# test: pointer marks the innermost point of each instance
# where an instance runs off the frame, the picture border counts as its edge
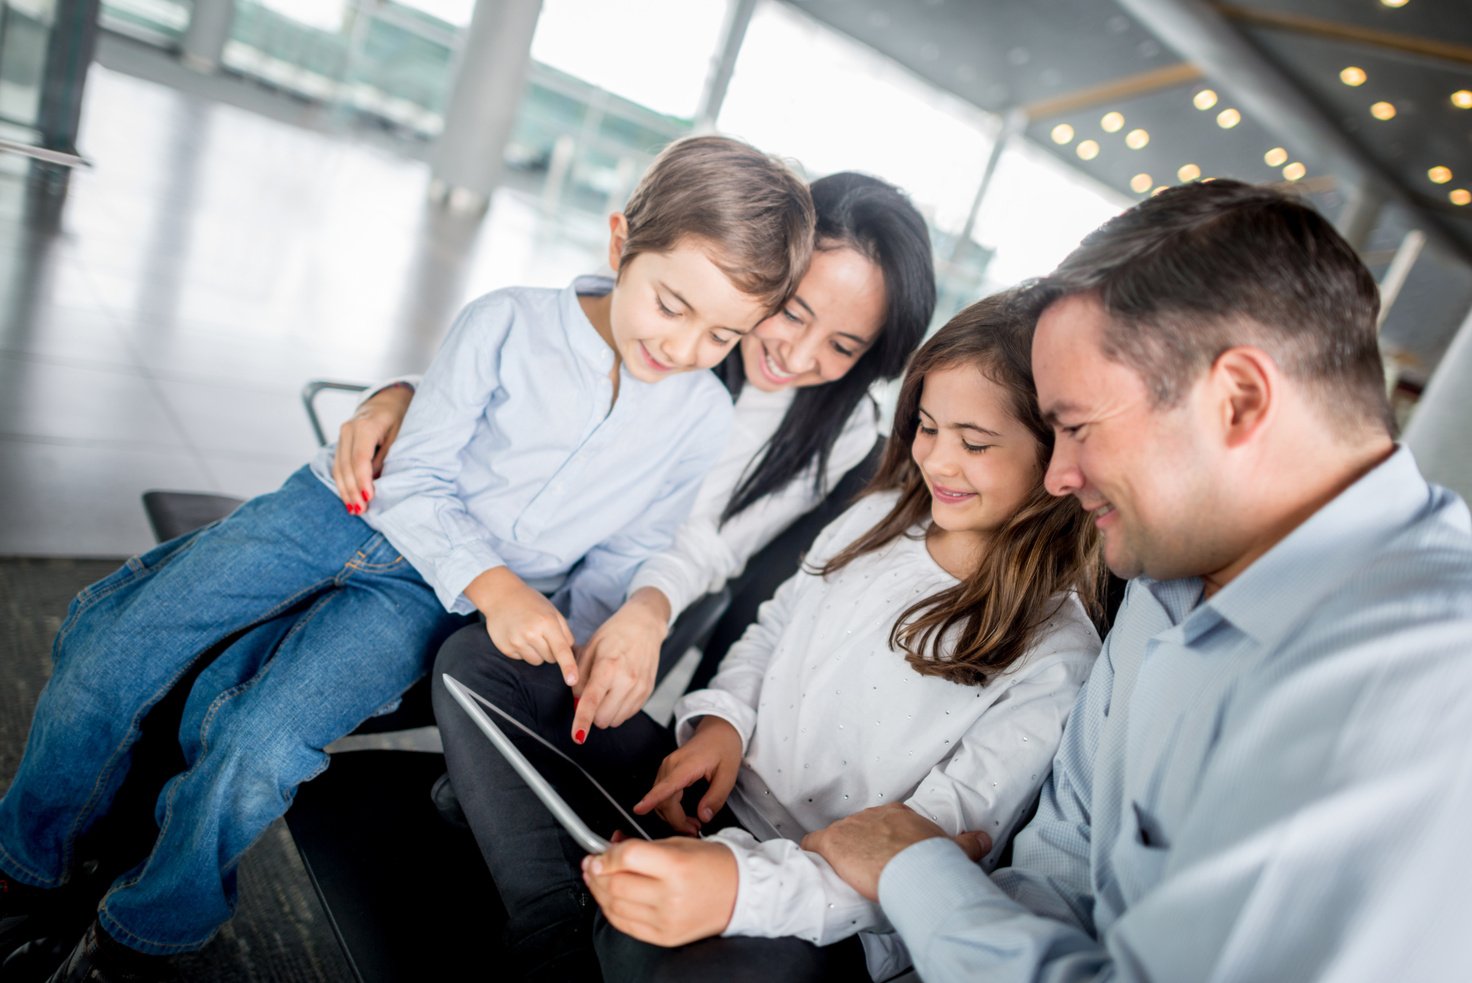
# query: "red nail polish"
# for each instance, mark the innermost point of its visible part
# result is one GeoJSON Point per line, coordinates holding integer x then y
{"type": "Point", "coordinates": [365, 496]}
{"type": "Point", "coordinates": [580, 737]}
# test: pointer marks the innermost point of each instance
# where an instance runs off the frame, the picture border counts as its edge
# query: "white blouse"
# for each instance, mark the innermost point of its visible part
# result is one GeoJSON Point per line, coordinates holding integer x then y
{"type": "Point", "coordinates": [834, 721]}
{"type": "Point", "coordinates": [706, 554]}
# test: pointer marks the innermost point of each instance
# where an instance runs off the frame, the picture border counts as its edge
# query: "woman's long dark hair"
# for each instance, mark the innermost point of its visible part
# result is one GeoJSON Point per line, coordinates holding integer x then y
{"type": "Point", "coordinates": [1048, 547]}
{"type": "Point", "coordinates": [876, 220]}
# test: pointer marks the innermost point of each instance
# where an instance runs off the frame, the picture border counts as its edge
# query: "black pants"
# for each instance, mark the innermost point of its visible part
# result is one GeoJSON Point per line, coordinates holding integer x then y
{"type": "Point", "coordinates": [554, 931]}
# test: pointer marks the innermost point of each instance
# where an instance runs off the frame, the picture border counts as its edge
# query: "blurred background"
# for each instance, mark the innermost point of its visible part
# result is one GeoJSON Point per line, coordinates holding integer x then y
{"type": "Point", "coordinates": [204, 203]}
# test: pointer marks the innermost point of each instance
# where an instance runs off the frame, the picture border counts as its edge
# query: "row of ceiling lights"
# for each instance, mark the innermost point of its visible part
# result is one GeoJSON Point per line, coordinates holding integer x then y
{"type": "Point", "coordinates": [1138, 139]}
{"type": "Point", "coordinates": [1354, 77]}
{"type": "Point", "coordinates": [1229, 117]}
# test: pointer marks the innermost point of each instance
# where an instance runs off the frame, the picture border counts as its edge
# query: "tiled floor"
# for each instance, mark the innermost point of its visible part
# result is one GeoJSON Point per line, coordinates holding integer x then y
{"type": "Point", "coordinates": [157, 324]}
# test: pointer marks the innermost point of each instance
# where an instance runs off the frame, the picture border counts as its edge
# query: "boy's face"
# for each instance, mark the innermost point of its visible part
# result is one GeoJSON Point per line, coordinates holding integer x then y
{"type": "Point", "coordinates": [676, 311]}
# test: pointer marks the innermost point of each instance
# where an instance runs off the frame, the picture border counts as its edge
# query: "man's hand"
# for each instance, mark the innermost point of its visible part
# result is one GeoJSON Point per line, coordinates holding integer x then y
{"type": "Point", "coordinates": [522, 623]}
{"type": "Point", "coordinates": [712, 753]}
{"type": "Point", "coordinates": [858, 846]}
{"type": "Point", "coordinates": [618, 665]}
{"type": "Point", "coordinates": [363, 442]}
{"type": "Point", "coordinates": [666, 893]}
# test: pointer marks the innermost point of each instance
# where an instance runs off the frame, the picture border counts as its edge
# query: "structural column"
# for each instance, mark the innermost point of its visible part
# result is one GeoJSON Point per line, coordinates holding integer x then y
{"type": "Point", "coordinates": [1440, 431]}
{"type": "Point", "coordinates": [203, 46]}
{"type": "Point", "coordinates": [485, 95]}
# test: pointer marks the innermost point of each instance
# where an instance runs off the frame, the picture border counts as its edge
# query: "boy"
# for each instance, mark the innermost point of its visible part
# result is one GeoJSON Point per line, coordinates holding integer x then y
{"type": "Point", "coordinates": [539, 458]}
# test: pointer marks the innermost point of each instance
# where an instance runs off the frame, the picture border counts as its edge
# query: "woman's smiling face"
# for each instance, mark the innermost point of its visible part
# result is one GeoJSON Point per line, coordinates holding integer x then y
{"type": "Point", "coordinates": [833, 318]}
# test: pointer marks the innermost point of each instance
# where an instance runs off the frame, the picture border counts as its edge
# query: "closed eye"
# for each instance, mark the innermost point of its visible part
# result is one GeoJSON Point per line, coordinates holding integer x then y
{"type": "Point", "coordinates": [665, 310]}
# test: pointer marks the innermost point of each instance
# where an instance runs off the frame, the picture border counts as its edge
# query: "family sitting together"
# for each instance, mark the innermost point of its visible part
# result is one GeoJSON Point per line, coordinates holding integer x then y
{"type": "Point", "coordinates": [918, 755]}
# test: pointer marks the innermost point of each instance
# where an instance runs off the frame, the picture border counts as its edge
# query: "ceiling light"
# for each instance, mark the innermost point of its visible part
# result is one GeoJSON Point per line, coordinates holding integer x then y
{"type": "Point", "coordinates": [1140, 183]}
{"type": "Point", "coordinates": [1382, 110]}
{"type": "Point", "coordinates": [1157, 191]}
{"type": "Point", "coordinates": [1112, 122]}
{"type": "Point", "coordinates": [1228, 118]}
{"type": "Point", "coordinates": [1137, 139]}
{"type": "Point", "coordinates": [1394, 3]}
{"type": "Point", "coordinates": [1462, 98]}
{"type": "Point", "coordinates": [1062, 133]}
{"type": "Point", "coordinates": [1439, 174]}
{"type": "Point", "coordinates": [1276, 157]}
{"type": "Point", "coordinates": [1353, 75]}
{"type": "Point", "coordinates": [1188, 172]}
{"type": "Point", "coordinates": [1204, 99]}
{"type": "Point", "coordinates": [1295, 171]}
{"type": "Point", "coordinates": [1087, 149]}
{"type": "Point", "coordinates": [1460, 196]}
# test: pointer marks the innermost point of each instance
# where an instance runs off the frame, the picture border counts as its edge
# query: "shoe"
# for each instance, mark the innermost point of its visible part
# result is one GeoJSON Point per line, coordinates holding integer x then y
{"type": "Point", "coordinates": [38, 926]}
{"type": "Point", "coordinates": [447, 802]}
{"type": "Point", "coordinates": [99, 958]}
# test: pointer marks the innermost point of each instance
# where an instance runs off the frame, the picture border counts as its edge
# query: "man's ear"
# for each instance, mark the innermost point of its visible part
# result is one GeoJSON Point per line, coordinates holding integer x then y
{"type": "Point", "coordinates": [618, 234]}
{"type": "Point", "coordinates": [1245, 381]}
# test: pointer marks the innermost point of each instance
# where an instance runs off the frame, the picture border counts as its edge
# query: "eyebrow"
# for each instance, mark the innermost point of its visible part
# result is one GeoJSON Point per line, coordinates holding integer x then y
{"type": "Point", "coordinates": [856, 339]}
{"type": "Point", "coordinates": [964, 426]}
{"type": "Point", "coordinates": [691, 307]}
{"type": "Point", "coordinates": [1052, 413]}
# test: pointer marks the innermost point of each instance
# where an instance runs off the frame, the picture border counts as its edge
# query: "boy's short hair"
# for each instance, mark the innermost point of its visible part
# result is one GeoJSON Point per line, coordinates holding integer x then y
{"type": "Point", "coordinates": [754, 211]}
{"type": "Point", "coordinates": [1200, 268]}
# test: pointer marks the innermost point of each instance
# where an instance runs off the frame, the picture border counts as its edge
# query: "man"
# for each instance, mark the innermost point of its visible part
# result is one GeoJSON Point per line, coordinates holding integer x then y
{"type": "Point", "coordinates": [1269, 774]}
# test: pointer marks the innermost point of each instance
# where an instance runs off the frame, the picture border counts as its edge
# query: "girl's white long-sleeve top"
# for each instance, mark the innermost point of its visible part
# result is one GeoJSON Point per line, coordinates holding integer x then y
{"type": "Point", "coordinates": [834, 721]}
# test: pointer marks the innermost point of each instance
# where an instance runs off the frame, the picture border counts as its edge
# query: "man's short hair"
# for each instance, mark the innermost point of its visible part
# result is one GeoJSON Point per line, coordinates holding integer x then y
{"type": "Point", "coordinates": [1200, 268]}
{"type": "Point", "coordinates": [754, 212]}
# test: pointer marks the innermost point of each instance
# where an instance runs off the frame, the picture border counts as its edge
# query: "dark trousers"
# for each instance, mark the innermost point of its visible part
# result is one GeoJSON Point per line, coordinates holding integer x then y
{"type": "Point", "coordinates": [554, 930]}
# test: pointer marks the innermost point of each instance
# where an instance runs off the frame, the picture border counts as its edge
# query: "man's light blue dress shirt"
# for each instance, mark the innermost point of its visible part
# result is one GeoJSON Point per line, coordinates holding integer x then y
{"type": "Point", "coordinates": [510, 455]}
{"type": "Point", "coordinates": [1274, 784]}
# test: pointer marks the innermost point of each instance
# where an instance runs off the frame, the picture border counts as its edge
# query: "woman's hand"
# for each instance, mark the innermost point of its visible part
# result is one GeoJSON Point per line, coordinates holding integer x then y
{"type": "Point", "coordinates": [666, 893]}
{"type": "Point", "coordinates": [363, 442]}
{"type": "Point", "coordinates": [620, 661]}
{"type": "Point", "coordinates": [522, 623]}
{"type": "Point", "coordinates": [712, 753]}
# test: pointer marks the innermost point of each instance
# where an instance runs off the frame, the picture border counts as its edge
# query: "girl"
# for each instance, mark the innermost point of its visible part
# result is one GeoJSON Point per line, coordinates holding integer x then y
{"type": "Point", "coordinates": [929, 654]}
{"type": "Point", "coordinates": [803, 418]}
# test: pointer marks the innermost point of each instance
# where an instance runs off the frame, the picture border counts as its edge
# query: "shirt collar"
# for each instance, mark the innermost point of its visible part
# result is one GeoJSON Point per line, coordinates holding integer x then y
{"type": "Point", "coordinates": [581, 334]}
{"type": "Point", "coordinates": [1286, 583]}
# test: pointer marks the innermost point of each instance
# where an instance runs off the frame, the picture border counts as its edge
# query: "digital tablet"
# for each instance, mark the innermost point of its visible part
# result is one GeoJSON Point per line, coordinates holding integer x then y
{"type": "Point", "coordinates": [477, 706]}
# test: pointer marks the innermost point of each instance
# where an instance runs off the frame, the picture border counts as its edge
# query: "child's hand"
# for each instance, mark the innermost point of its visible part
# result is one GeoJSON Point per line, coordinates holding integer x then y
{"type": "Point", "coordinates": [363, 442]}
{"type": "Point", "coordinates": [665, 893]}
{"type": "Point", "coordinates": [713, 753]}
{"type": "Point", "coordinates": [521, 622]}
{"type": "Point", "coordinates": [620, 661]}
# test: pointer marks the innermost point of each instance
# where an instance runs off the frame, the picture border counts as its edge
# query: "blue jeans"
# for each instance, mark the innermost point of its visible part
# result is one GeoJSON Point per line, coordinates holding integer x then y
{"type": "Point", "coordinates": [334, 625]}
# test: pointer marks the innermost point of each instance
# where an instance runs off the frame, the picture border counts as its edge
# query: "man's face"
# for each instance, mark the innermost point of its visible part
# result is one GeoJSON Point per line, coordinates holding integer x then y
{"type": "Point", "coordinates": [1148, 476]}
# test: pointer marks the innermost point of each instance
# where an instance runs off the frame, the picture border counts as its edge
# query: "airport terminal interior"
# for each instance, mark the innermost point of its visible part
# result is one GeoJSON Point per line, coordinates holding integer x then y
{"type": "Point", "coordinates": [204, 204]}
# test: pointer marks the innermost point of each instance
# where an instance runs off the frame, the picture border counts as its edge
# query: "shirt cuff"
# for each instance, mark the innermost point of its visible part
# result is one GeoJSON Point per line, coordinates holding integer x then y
{"type": "Point", "coordinates": [649, 574]}
{"type": "Point", "coordinates": [713, 703]}
{"type": "Point", "coordinates": [925, 884]}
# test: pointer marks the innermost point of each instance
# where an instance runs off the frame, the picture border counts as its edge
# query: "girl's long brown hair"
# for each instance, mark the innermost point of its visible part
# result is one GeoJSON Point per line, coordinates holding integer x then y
{"type": "Point", "coordinates": [1048, 547]}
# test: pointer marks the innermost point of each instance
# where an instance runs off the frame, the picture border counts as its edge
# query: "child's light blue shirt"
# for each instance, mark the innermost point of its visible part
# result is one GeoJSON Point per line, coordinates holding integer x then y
{"type": "Point", "coordinates": [510, 455]}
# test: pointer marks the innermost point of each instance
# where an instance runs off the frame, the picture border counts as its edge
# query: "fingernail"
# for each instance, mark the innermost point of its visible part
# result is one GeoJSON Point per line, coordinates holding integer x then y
{"type": "Point", "coordinates": [580, 736]}
{"type": "Point", "coordinates": [365, 496]}
{"type": "Point", "coordinates": [706, 814]}
{"type": "Point", "coordinates": [596, 866]}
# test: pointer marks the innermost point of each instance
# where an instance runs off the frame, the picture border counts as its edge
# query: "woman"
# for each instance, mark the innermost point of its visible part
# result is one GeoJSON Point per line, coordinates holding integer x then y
{"type": "Point", "coordinates": [803, 419]}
